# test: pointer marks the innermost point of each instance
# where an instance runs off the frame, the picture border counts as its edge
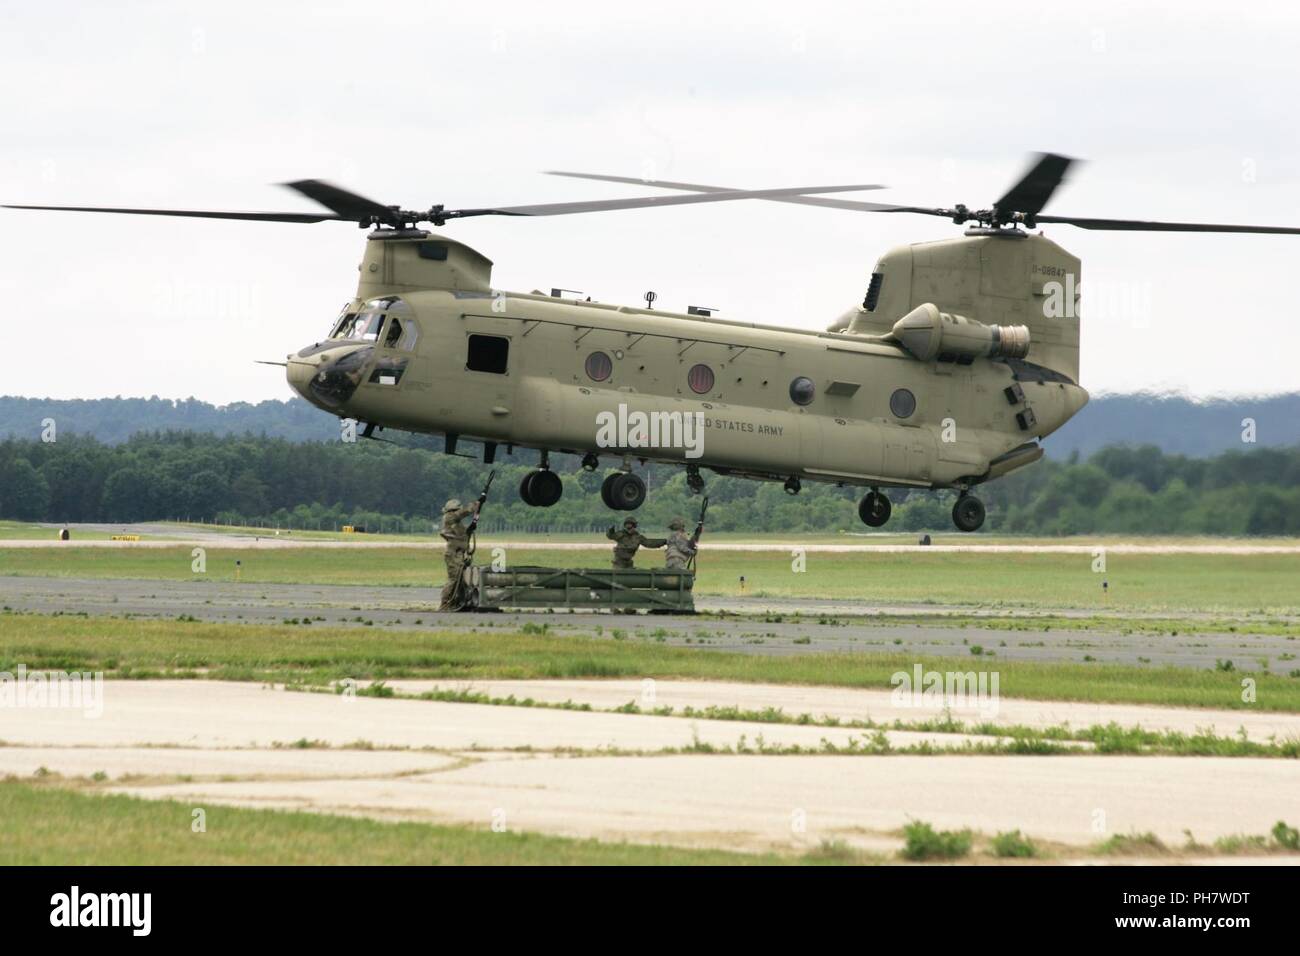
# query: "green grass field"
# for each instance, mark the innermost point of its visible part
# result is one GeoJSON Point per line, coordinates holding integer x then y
{"type": "Point", "coordinates": [45, 825]}
{"type": "Point", "coordinates": [1267, 583]}
{"type": "Point", "coordinates": [319, 654]}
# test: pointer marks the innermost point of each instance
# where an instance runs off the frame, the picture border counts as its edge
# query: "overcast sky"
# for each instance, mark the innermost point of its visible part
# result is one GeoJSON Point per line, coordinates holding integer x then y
{"type": "Point", "coordinates": [1183, 111]}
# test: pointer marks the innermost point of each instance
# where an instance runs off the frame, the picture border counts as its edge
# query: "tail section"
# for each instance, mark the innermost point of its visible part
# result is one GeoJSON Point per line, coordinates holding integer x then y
{"type": "Point", "coordinates": [999, 280]}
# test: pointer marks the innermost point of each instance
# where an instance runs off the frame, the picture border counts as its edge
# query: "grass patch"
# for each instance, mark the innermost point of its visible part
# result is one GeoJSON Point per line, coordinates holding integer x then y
{"type": "Point", "coordinates": [923, 842]}
{"type": "Point", "coordinates": [1012, 845]}
{"type": "Point", "coordinates": [137, 648]}
{"type": "Point", "coordinates": [45, 825]}
{"type": "Point", "coordinates": [1133, 844]}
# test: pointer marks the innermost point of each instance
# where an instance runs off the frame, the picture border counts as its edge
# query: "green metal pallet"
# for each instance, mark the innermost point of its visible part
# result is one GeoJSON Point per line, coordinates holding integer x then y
{"type": "Point", "coordinates": [596, 589]}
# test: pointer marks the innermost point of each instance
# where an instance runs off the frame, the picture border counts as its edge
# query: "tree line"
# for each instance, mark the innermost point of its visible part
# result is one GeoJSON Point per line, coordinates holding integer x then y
{"type": "Point", "coordinates": [275, 482]}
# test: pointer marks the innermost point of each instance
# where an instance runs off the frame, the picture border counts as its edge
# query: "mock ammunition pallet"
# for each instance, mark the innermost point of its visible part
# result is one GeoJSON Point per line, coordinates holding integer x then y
{"type": "Point", "coordinates": [657, 590]}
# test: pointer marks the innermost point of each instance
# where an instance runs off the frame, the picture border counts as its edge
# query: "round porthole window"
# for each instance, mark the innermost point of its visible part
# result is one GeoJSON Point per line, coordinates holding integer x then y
{"type": "Point", "coordinates": [802, 390]}
{"type": "Point", "coordinates": [902, 403]}
{"type": "Point", "coordinates": [599, 366]}
{"type": "Point", "coordinates": [700, 379]}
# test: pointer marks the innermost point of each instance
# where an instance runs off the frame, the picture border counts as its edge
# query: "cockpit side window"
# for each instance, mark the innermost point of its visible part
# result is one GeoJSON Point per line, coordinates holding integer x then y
{"type": "Point", "coordinates": [343, 324]}
{"type": "Point", "coordinates": [394, 333]}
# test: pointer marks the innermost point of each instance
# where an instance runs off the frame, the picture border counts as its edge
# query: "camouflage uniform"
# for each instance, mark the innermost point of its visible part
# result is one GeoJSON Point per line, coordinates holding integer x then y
{"type": "Point", "coordinates": [457, 538]}
{"type": "Point", "coordinates": [680, 547]}
{"type": "Point", "coordinates": [627, 541]}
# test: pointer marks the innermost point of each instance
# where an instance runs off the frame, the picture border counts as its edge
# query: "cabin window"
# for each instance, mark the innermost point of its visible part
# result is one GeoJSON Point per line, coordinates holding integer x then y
{"type": "Point", "coordinates": [488, 353]}
{"type": "Point", "coordinates": [599, 366]}
{"type": "Point", "coordinates": [902, 403]}
{"type": "Point", "coordinates": [700, 379]}
{"type": "Point", "coordinates": [802, 390]}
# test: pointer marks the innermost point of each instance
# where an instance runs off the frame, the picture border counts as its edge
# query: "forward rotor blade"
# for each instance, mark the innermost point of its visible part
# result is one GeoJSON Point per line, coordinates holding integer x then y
{"type": "Point", "coordinates": [641, 202]}
{"type": "Point", "coordinates": [195, 213]}
{"type": "Point", "coordinates": [802, 200]}
{"type": "Point", "coordinates": [345, 203]}
{"type": "Point", "coordinates": [1037, 185]}
{"type": "Point", "coordinates": [1137, 225]}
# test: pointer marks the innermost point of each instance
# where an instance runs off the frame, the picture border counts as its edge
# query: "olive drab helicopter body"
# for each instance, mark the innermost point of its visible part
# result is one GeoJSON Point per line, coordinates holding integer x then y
{"type": "Point", "coordinates": [963, 355]}
{"type": "Point", "coordinates": [428, 345]}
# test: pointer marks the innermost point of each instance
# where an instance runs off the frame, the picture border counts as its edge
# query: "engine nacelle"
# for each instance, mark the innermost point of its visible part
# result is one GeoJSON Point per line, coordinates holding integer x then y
{"type": "Point", "coordinates": [928, 334]}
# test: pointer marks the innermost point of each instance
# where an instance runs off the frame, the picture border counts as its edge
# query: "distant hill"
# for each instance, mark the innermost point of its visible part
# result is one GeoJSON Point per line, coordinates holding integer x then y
{"type": "Point", "coordinates": [1175, 425]}
{"type": "Point", "coordinates": [114, 420]}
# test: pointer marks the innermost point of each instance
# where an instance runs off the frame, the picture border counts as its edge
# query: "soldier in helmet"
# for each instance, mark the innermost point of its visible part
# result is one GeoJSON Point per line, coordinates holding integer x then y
{"type": "Point", "coordinates": [457, 537]}
{"type": "Point", "coordinates": [681, 547]}
{"type": "Point", "coordinates": [627, 541]}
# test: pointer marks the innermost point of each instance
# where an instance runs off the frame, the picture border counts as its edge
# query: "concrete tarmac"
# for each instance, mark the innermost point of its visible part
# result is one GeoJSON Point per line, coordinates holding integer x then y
{"type": "Point", "coordinates": [605, 775]}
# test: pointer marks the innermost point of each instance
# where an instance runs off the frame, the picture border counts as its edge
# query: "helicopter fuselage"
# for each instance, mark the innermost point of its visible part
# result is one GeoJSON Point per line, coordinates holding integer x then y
{"type": "Point", "coordinates": [428, 346]}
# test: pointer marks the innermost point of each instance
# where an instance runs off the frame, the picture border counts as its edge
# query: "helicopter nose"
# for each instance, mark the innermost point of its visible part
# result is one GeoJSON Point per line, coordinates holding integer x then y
{"type": "Point", "coordinates": [328, 378]}
{"type": "Point", "coordinates": [299, 372]}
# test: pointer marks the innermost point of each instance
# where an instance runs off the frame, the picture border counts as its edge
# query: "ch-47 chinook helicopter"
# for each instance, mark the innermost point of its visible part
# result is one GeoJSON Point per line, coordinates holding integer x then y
{"type": "Point", "coordinates": [962, 356]}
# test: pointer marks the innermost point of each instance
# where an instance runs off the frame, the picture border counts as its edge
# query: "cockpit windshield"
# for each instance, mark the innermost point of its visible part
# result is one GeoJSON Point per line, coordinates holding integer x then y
{"type": "Point", "coordinates": [364, 327]}
{"type": "Point", "coordinates": [387, 320]}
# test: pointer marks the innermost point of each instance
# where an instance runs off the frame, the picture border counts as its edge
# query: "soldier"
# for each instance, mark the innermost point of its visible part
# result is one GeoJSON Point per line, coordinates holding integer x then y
{"type": "Point", "coordinates": [457, 538]}
{"type": "Point", "coordinates": [681, 547]}
{"type": "Point", "coordinates": [627, 541]}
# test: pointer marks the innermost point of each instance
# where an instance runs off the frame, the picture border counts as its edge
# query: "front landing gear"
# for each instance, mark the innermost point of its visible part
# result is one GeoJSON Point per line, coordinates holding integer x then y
{"type": "Point", "coordinates": [623, 491]}
{"type": "Point", "coordinates": [968, 513]}
{"type": "Point", "coordinates": [874, 509]}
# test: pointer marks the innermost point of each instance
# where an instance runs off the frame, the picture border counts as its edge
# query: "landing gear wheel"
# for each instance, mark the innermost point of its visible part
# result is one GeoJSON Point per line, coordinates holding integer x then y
{"type": "Point", "coordinates": [874, 509]}
{"type": "Point", "coordinates": [792, 485]}
{"type": "Point", "coordinates": [526, 489]}
{"type": "Point", "coordinates": [545, 488]}
{"type": "Point", "coordinates": [605, 487]}
{"type": "Point", "coordinates": [627, 492]}
{"type": "Point", "coordinates": [968, 513]}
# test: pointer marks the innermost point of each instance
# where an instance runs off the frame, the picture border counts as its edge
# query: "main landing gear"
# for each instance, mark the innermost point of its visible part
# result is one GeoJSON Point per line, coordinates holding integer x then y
{"type": "Point", "coordinates": [968, 512]}
{"type": "Point", "coordinates": [541, 488]}
{"type": "Point", "coordinates": [874, 509]}
{"type": "Point", "coordinates": [623, 491]}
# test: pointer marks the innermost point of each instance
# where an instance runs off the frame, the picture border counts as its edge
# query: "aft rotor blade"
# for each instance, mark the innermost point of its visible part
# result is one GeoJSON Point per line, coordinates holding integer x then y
{"type": "Point", "coordinates": [642, 202]}
{"type": "Point", "coordinates": [1138, 225]}
{"type": "Point", "coordinates": [195, 213]}
{"type": "Point", "coordinates": [802, 200]}
{"type": "Point", "coordinates": [1036, 187]}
